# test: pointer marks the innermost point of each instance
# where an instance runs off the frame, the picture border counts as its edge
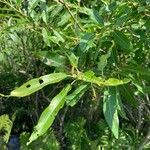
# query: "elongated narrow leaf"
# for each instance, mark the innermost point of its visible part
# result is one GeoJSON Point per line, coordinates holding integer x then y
{"type": "Point", "coordinates": [58, 35]}
{"type": "Point", "coordinates": [37, 84]}
{"type": "Point", "coordinates": [64, 19]}
{"type": "Point", "coordinates": [110, 110]}
{"type": "Point", "coordinates": [48, 115]}
{"type": "Point", "coordinates": [120, 105]}
{"type": "Point", "coordinates": [52, 59]}
{"type": "Point", "coordinates": [122, 40]}
{"type": "Point", "coordinates": [73, 60]}
{"type": "Point", "coordinates": [46, 36]}
{"type": "Point", "coordinates": [115, 82]}
{"type": "Point", "coordinates": [90, 77]}
{"type": "Point", "coordinates": [33, 4]}
{"type": "Point", "coordinates": [74, 97]}
{"type": "Point", "coordinates": [95, 16]}
{"type": "Point", "coordinates": [98, 18]}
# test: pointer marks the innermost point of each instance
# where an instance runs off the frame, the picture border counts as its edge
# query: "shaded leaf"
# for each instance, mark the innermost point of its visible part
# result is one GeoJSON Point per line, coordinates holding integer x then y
{"type": "Point", "coordinates": [121, 39]}
{"type": "Point", "coordinates": [98, 18]}
{"type": "Point", "coordinates": [95, 16]}
{"type": "Point", "coordinates": [48, 115]}
{"type": "Point", "coordinates": [127, 95]}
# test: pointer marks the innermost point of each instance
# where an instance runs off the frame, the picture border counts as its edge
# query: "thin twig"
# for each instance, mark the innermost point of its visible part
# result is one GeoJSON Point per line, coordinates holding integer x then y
{"type": "Point", "coordinates": [68, 9]}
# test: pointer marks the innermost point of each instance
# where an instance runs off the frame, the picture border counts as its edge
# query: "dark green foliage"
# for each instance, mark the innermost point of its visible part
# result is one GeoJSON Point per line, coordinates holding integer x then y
{"type": "Point", "coordinates": [76, 63]}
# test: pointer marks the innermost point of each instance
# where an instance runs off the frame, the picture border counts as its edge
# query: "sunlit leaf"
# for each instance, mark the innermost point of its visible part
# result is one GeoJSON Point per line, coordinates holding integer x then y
{"type": "Point", "coordinates": [110, 110]}
{"type": "Point", "coordinates": [86, 42]}
{"type": "Point", "coordinates": [89, 76]}
{"type": "Point", "coordinates": [64, 19]}
{"type": "Point", "coordinates": [37, 84]}
{"type": "Point", "coordinates": [102, 62]}
{"type": "Point", "coordinates": [115, 82]}
{"type": "Point", "coordinates": [75, 96]}
{"type": "Point", "coordinates": [52, 59]}
{"type": "Point", "coordinates": [59, 37]}
{"type": "Point", "coordinates": [73, 60]}
{"type": "Point", "coordinates": [48, 115]}
{"type": "Point", "coordinates": [33, 4]}
{"type": "Point", "coordinates": [46, 36]}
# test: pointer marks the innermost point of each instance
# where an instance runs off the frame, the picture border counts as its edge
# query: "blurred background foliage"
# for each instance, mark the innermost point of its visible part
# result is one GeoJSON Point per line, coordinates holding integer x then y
{"type": "Point", "coordinates": [110, 38]}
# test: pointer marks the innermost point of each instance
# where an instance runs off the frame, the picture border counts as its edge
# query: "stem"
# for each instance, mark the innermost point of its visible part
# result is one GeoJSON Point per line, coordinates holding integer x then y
{"type": "Point", "coordinates": [68, 9]}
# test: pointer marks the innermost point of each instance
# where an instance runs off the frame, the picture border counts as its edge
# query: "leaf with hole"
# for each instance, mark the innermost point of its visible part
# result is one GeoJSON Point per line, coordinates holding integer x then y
{"type": "Point", "coordinates": [37, 84]}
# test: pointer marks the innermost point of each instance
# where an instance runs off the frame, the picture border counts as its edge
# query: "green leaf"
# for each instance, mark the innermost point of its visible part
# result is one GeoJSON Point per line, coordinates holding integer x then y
{"type": "Point", "coordinates": [46, 36]}
{"type": "Point", "coordinates": [95, 16]}
{"type": "Point", "coordinates": [119, 104]}
{"type": "Point", "coordinates": [75, 96]}
{"type": "Point", "coordinates": [48, 115]}
{"type": "Point", "coordinates": [52, 59]}
{"type": "Point", "coordinates": [98, 18]}
{"type": "Point", "coordinates": [90, 77]}
{"type": "Point", "coordinates": [48, 141]}
{"type": "Point", "coordinates": [33, 4]}
{"type": "Point", "coordinates": [121, 20]}
{"type": "Point", "coordinates": [110, 110]}
{"type": "Point", "coordinates": [64, 19]}
{"type": "Point", "coordinates": [115, 82]}
{"type": "Point", "coordinates": [121, 39]}
{"type": "Point", "coordinates": [18, 2]}
{"type": "Point", "coordinates": [102, 62]}
{"type": "Point", "coordinates": [59, 37]}
{"type": "Point", "coordinates": [137, 69]}
{"type": "Point", "coordinates": [37, 84]}
{"type": "Point", "coordinates": [5, 127]}
{"type": "Point", "coordinates": [86, 42]}
{"type": "Point", "coordinates": [73, 60]}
